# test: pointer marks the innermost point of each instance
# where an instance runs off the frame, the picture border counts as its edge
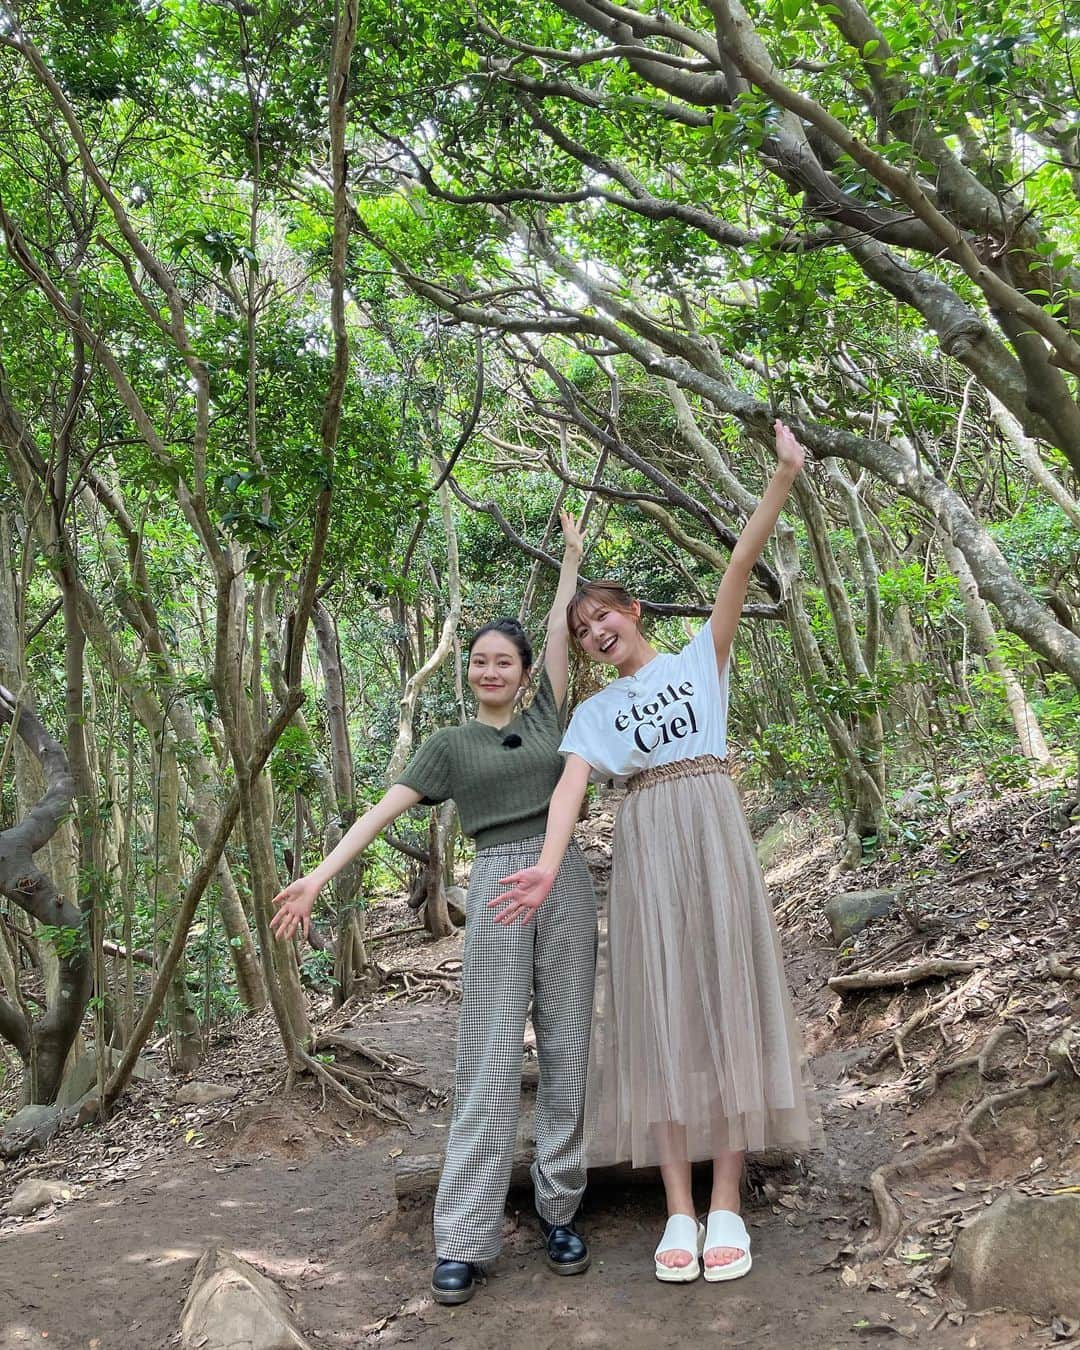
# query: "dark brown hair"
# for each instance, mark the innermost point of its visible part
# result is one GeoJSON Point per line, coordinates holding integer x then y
{"type": "Point", "coordinates": [607, 593]}
{"type": "Point", "coordinates": [513, 632]}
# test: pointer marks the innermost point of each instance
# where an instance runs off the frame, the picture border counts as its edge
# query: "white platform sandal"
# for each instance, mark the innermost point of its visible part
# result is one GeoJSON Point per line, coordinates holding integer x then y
{"type": "Point", "coordinates": [726, 1229]}
{"type": "Point", "coordinates": [682, 1234]}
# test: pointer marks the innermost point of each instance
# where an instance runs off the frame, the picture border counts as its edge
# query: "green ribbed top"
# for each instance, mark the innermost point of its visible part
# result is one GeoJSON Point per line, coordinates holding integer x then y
{"type": "Point", "coordinates": [501, 793]}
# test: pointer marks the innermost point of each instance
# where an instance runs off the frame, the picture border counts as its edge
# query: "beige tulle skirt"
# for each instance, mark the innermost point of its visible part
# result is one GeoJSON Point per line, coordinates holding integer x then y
{"type": "Point", "coordinates": [694, 1043]}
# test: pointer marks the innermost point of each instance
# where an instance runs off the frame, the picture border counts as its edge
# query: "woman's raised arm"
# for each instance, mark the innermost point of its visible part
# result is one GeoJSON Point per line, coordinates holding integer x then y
{"type": "Point", "coordinates": [731, 592]}
{"type": "Point", "coordinates": [557, 643]}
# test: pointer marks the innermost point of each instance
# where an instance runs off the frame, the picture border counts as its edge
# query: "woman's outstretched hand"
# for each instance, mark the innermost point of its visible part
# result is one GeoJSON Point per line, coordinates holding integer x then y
{"type": "Point", "coordinates": [295, 903]}
{"type": "Point", "coordinates": [573, 539]}
{"type": "Point", "coordinates": [789, 451]}
{"type": "Point", "coordinates": [528, 890]}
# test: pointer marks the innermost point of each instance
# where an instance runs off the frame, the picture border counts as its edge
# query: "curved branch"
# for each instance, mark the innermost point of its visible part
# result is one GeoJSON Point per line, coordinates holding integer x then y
{"type": "Point", "coordinates": [648, 606]}
{"type": "Point", "coordinates": [14, 1028]}
{"type": "Point", "coordinates": [20, 880]}
{"type": "Point", "coordinates": [578, 59]}
{"type": "Point", "coordinates": [470, 423]}
{"type": "Point", "coordinates": [905, 188]}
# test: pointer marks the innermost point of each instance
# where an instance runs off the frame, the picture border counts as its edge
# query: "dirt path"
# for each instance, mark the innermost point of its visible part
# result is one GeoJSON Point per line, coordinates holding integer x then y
{"type": "Point", "coordinates": [285, 1186]}
{"type": "Point", "coordinates": [307, 1195]}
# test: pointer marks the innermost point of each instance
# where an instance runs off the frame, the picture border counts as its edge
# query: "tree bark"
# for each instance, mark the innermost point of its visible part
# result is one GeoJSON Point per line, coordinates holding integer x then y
{"type": "Point", "coordinates": [858, 790]}
{"type": "Point", "coordinates": [442, 649]}
{"type": "Point", "coordinates": [1028, 732]}
{"type": "Point", "coordinates": [183, 1026]}
{"type": "Point", "coordinates": [350, 954]}
{"type": "Point", "coordinates": [47, 1040]}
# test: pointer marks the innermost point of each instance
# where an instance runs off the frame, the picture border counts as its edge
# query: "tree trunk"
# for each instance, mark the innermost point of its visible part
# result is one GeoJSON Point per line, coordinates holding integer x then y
{"type": "Point", "coordinates": [250, 986]}
{"type": "Point", "coordinates": [183, 1026]}
{"type": "Point", "coordinates": [59, 854]}
{"type": "Point", "coordinates": [1028, 732]}
{"type": "Point", "coordinates": [437, 919]}
{"type": "Point", "coordinates": [43, 1045]}
{"type": "Point", "coordinates": [858, 790]}
{"type": "Point", "coordinates": [414, 685]}
{"type": "Point", "coordinates": [350, 955]}
{"type": "Point", "coordinates": [1029, 455]}
{"type": "Point", "coordinates": [869, 733]}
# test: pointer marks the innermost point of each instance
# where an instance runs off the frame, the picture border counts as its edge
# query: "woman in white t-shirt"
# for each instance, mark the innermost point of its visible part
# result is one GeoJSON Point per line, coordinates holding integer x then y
{"type": "Point", "coordinates": [695, 1053]}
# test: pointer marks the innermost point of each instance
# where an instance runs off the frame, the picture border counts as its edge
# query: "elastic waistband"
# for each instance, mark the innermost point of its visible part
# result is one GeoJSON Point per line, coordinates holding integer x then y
{"type": "Point", "coordinates": [682, 768]}
{"type": "Point", "coordinates": [517, 847]}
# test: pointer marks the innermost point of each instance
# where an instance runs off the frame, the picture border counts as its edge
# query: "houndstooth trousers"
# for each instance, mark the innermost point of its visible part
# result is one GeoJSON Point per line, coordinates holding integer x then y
{"type": "Point", "coordinates": [552, 959]}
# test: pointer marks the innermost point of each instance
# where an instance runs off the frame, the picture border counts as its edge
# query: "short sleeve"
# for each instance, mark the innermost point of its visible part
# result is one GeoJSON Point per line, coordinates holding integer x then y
{"type": "Point", "coordinates": [429, 772]}
{"type": "Point", "coordinates": [543, 706]}
{"type": "Point", "coordinates": [581, 739]}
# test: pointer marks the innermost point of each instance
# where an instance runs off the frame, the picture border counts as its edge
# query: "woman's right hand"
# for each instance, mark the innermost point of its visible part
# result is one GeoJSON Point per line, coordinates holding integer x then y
{"type": "Point", "coordinates": [295, 903]}
{"type": "Point", "coordinates": [528, 889]}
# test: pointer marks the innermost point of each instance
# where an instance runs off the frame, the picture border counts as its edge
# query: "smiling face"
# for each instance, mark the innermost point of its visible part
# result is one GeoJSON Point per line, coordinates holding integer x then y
{"type": "Point", "coordinates": [607, 634]}
{"type": "Point", "coordinates": [495, 671]}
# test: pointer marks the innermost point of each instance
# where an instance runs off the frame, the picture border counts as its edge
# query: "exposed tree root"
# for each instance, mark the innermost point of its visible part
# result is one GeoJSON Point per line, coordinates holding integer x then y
{"type": "Point", "coordinates": [906, 946]}
{"type": "Point", "coordinates": [368, 1091]}
{"type": "Point", "coordinates": [388, 1068]}
{"type": "Point", "coordinates": [337, 1040]}
{"type": "Point", "coordinates": [889, 1215]}
{"type": "Point", "coordinates": [364, 1096]}
{"type": "Point", "coordinates": [905, 975]}
{"type": "Point", "coordinates": [444, 979]}
{"type": "Point", "coordinates": [980, 1060]}
{"type": "Point", "coordinates": [394, 933]}
{"type": "Point", "coordinates": [998, 869]}
{"type": "Point", "coordinates": [913, 1023]}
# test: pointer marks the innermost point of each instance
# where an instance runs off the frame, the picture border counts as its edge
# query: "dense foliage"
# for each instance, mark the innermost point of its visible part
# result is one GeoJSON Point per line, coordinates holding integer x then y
{"type": "Point", "coordinates": [269, 277]}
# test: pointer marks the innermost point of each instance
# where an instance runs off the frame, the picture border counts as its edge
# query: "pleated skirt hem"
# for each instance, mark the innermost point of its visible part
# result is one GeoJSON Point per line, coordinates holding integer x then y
{"type": "Point", "coordinates": [695, 1048]}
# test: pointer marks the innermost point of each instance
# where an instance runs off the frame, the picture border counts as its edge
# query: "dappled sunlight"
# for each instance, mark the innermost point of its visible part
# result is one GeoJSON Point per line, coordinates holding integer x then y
{"type": "Point", "coordinates": [19, 1333]}
{"type": "Point", "coordinates": [165, 1257]}
{"type": "Point", "coordinates": [804, 856]}
{"type": "Point", "coordinates": [287, 1268]}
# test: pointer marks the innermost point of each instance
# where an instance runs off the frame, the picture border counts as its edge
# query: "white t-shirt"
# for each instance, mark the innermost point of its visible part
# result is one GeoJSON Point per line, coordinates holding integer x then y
{"type": "Point", "coordinates": [674, 708]}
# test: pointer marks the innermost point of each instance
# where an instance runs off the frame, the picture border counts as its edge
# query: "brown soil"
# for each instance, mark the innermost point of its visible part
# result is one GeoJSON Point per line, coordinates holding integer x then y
{"type": "Point", "coordinates": [307, 1194]}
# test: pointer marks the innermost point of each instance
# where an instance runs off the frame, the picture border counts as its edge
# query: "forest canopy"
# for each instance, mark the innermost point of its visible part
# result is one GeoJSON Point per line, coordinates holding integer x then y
{"type": "Point", "coordinates": [312, 319]}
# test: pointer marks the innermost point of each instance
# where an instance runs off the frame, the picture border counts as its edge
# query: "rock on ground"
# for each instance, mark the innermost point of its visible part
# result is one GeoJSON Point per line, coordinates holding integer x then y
{"type": "Point", "coordinates": [232, 1306]}
{"type": "Point", "coordinates": [1022, 1253]}
{"type": "Point", "coordinates": [203, 1094]}
{"type": "Point", "coordinates": [849, 912]}
{"type": "Point", "coordinates": [455, 905]}
{"type": "Point", "coordinates": [31, 1195]}
{"type": "Point", "coordinates": [780, 835]}
{"type": "Point", "coordinates": [31, 1127]}
{"type": "Point", "coordinates": [81, 1077]}
{"type": "Point", "coordinates": [1064, 1054]}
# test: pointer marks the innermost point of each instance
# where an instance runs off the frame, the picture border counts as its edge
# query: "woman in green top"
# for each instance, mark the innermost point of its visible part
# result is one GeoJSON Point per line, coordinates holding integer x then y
{"type": "Point", "coordinates": [501, 769]}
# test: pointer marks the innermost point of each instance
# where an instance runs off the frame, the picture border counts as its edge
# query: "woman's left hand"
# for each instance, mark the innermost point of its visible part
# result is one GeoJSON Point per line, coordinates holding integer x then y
{"type": "Point", "coordinates": [528, 890]}
{"type": "Point", "coordinates": [573, 539]}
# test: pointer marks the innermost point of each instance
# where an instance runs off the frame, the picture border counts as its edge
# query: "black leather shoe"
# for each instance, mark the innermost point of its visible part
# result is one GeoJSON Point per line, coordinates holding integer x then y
{"type": "Point", "coordinates": [567, 1253]}
{"type": "Point", "coordinates": [454, 1281]}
